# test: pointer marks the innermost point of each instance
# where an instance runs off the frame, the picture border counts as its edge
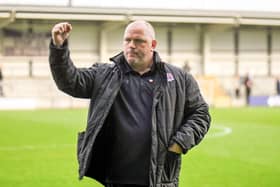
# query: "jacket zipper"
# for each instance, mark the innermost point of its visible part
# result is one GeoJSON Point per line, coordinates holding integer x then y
{"type": "Point", "coordinates": [157, 96]}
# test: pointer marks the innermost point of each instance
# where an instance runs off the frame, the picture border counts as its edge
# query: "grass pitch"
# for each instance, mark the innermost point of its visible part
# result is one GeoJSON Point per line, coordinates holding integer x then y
{"type": "Point", "coordinates": [242, 149]}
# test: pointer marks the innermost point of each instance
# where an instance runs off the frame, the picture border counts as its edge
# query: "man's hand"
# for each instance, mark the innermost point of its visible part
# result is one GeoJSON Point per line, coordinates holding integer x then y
{"type": "Point", "coordinates": [175, 148]}
{"type": "Point", "coordinates": [60, 32]}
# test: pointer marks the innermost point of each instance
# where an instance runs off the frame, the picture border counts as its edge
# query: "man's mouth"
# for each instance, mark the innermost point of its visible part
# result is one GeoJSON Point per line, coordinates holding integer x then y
{"type": "Point", "coordinates": [131, 54]}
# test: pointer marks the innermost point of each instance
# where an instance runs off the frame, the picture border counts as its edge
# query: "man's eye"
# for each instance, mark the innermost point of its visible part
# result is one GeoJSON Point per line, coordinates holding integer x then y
{"type": "Point", "coordinates": [135, 41]}
{"type": "Point", "coordinates": [127, 40]}
{"type": "Point", "coordinates": [139, 41]}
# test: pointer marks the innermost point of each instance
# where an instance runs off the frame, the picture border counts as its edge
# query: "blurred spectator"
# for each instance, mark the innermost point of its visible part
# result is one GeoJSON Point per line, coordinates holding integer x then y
{"type": "Point", "coordinates": [237, 86]}
{"type": "Point", "coordinates": [278, 85]}
{"type": "Point", "coordinates": [1, 82]}
{"type": "Point", "coordinates": [187, 67]}
{"type": "Point", "coordinates": [248, 83]}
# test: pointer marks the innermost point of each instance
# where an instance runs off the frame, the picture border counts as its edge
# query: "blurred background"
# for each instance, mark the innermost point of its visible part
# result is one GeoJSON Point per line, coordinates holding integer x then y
{"type": "Point", "coordinates": [219, 42]}
{"type": "Point", "coordinates": [231, 47]}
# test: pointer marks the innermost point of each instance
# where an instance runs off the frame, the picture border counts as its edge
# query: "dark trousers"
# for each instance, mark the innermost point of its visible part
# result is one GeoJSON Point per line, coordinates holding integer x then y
{"type": "Point", "coordinates": [123, 185]}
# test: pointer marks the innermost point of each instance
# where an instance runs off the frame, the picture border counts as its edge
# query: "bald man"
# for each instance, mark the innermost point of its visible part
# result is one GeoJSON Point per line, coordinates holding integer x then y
{"type": "Point", "coordinates": [143, 113]}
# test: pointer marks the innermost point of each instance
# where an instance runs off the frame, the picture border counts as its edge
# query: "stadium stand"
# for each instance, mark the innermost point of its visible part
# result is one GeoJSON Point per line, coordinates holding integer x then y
{"type": "Point", "coordinates": [217, 45]}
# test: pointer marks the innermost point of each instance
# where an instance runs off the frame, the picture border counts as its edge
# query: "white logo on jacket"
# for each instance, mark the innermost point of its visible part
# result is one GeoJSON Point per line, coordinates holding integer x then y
{"type": "Point", "coordinates": [170, 77]}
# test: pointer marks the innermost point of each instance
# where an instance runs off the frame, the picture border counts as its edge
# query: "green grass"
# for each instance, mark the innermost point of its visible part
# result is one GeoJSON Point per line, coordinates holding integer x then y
{"type": "Point", "coordinates": [38, 148]}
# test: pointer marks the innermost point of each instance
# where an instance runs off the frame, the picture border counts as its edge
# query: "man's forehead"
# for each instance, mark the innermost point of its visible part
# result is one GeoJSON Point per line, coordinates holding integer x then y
{"type": "Point", "coordinates": [137, 30]}
{"type": "Point", "coordinates": [135, 33]}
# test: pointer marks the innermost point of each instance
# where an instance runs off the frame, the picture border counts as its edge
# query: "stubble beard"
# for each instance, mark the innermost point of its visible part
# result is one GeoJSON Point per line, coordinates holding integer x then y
{"type": "Point", "coordinates": [135, 62]}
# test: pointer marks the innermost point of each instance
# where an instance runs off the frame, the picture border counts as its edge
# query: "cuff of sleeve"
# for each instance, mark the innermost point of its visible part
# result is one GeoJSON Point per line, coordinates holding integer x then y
{"type": "Point", "coordinates": [58, 54]}
{"type": "Point", "coordinates": [180, 144]}
{"type": "Point", "coordinates": [63, 46]}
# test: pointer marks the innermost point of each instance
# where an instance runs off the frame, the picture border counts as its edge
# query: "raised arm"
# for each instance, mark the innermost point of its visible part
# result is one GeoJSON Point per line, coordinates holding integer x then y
{"type": "Point", "coordinates": [77, 82]}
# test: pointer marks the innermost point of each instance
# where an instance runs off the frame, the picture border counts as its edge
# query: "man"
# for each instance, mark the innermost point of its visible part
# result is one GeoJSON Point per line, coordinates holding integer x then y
{"type": "Point", "coordinates": [278, 85]}
{"type": "Point", "coordinates": [143, 112]}
{"type": "Point", "coordinates": [1, 82]}
{"type": "Point", "coordinates": [248, 83]}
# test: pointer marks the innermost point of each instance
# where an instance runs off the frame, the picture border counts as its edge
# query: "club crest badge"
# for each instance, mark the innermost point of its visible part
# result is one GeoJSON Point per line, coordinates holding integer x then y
{"type": "Point", "coordinates": [169, 77]}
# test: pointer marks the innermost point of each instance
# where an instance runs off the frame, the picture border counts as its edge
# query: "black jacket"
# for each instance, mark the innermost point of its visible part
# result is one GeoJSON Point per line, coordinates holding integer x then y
{"type": "Point", "coordinates": [179, 113]}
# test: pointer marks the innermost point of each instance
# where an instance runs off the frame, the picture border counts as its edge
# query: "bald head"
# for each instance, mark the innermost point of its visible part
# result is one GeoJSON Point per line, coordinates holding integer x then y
{"type": "Point", "coordinates": [142, 24]}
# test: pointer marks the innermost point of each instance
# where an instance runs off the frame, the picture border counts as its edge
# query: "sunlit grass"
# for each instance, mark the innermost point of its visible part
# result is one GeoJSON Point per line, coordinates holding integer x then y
{"type": "Point", "coordinates": [38, 148]}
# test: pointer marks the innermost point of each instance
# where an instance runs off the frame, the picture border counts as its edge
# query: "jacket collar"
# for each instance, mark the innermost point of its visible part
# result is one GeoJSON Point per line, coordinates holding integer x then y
{"type": "Point", "coordinates": [120, 59]}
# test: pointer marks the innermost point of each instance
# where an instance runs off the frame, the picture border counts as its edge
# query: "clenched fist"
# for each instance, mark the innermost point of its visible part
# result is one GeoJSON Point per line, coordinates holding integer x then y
{"type": "Point", "coordinates": [60, 32]}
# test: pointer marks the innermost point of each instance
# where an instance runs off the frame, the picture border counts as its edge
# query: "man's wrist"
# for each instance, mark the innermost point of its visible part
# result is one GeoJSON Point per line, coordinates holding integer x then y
{"type": "Point", "coordinates": [57, 45]}
{"type": "Point", "coordinates": [176, 148]}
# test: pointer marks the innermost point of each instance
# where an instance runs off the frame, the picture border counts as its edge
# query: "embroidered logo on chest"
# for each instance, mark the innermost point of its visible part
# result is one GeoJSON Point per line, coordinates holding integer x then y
{"type": "Point", "coordinates": [169, 77]}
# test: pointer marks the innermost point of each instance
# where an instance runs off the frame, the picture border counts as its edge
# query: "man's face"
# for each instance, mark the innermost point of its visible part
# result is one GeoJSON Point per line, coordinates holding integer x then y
{"type": "Point", "coordinates": [138, 46]}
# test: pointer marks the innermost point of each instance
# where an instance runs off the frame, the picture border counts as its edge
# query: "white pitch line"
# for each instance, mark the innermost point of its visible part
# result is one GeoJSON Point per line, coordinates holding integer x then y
{"type": "Point", "coordinates": [222, 131]}
{"type": "Point", "coordinates": [34, 147]}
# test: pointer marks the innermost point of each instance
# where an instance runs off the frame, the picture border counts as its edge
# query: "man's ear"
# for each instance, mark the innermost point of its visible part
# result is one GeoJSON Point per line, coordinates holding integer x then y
{"type": "Point", "coordinates": [154, 44]}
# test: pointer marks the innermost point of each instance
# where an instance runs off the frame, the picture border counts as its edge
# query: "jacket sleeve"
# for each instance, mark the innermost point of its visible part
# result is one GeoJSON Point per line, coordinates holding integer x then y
{"type": "Point", "coordinates": [196, 121]}
{"type": "Point", "coordinates": [77, 82]}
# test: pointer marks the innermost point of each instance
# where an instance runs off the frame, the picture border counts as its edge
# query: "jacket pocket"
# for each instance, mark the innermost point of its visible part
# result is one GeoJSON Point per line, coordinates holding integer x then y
{"type": "Point", "coordinates": [171, 167]}
{"type": "Point", "coordinates": [81, 136]}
